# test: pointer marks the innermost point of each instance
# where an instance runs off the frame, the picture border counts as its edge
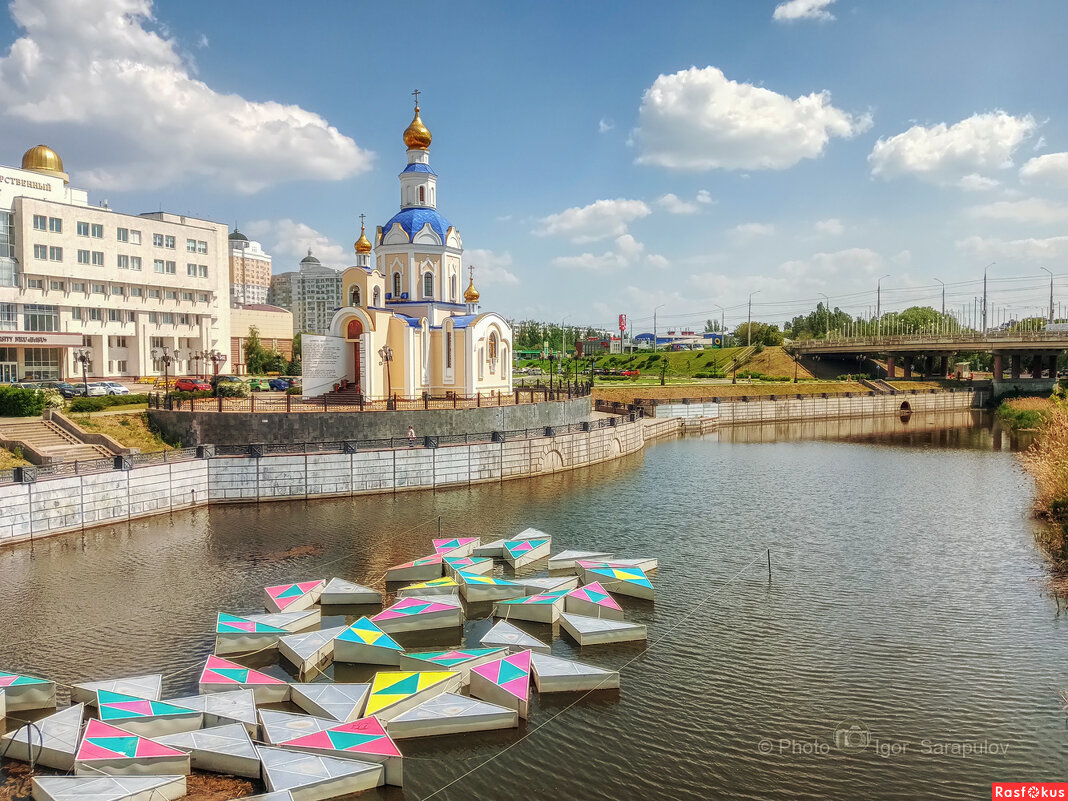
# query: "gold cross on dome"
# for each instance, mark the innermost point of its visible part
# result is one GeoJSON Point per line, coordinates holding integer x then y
{"type": "Point", "coordinates": [362, 217]}
{"type": "Point", "coordinates": [417, 93]}
{"type": "Point", "coordinates": [471, 268]}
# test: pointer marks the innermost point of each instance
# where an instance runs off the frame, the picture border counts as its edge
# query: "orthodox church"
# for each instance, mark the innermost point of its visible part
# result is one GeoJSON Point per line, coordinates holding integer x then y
{"type": "Point", "coordinates": [406, 329]}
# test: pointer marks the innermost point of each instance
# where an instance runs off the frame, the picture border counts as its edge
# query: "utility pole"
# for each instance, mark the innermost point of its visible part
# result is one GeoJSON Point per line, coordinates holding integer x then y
{"type": "Point", "coordinates": [827, 310]}
{"type": "Point", "coordinates": [984, 292]}
{"type": "Point", "coordinates": [943, 295]}
{"type": "Point", "coordinates": [1050, 293]}
{"type": "Point", "coordinates": [879, 296]}
{"type": "Point", "coordinates": [749, 325]}
{"type": "Point", "coordinates": [654, 324]}
{"type": "Point", "coordinates": [722, 318]}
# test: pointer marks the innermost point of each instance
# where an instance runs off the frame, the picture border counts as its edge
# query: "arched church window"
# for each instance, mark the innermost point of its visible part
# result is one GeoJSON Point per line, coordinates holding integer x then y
{"type": "Point", "coordinates": [354, 296]}
{"type": "Point", "coordinates": [422, 194]}
{"type": "Point", "coordinates": [428, 285]}
{"type": "Point", "coordinates": [448, 349]}
{"type": "Point", "coordinates": [396, 286]}
{"type": "Point", "coordinates": [452, 289]}
{"type": "Point", "coordinates": [377, 298]}
{"type": "Point", "coordinates": [492, 350]}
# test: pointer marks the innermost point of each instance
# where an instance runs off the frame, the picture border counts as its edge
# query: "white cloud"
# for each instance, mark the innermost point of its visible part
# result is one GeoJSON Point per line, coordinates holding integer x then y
{"type": "Point", "coordinates": [599, 220]}
{"type": "Point", "coordinates": [704, 196]}
{"type": "Point", "coordinates": [957, 154]}
{"type": "Point", "coordinates": [673, 204]}
{"type": "Point", "coordinates": [289, 241]}
{"type": "Point", "coordinates": [491, 267]}
{"type": "Point", "coordinates": [1051, 169]}
{"type": "Point", "coordinates": [626, 251]}
{"type": "Point", "coordinates": [824, 266]}
{"type": "Point", "coordinates": [830, 227]}
{"type": "Point", "coordinates": [605, 125]}
{"type": "Point", "coordinates": [697, 119]}
{"type": "Point", "coordinates": [1031, 210]}
{"type": "Point", "coordinates": [202, 41]}
{"type": "Point", "coordinates": [974, 182]}
{"type": "Point", "coordinates": [793, 10]}
{"type": "Point", "coordinates": [112, 92]}
{"type": "Point", "coordinates": [753, 230]}
{"type": "Point", "coordinates": [1029, 250]}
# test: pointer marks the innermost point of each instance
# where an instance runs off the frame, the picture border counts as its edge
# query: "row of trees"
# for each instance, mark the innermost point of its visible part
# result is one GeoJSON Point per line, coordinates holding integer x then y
{"type": "Point", "coordinates": [532, 335]}
{"type": "Point", "coordinates": [260, 360]}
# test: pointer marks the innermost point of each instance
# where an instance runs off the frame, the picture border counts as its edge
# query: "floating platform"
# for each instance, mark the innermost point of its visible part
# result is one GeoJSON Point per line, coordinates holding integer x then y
{"type": "Point", "coordinates": [220, 675]}
{"type": "Point", "coordinates": [342, 702]}
{"type": "Point", "coordinates": [505, 635]}
{"type": "Point", "coordinates": [293, 597]}
{"type": "Point", "coordinates": [459, 660]}
{"type": "Point", "coordinates": [144, 717]}
{"type": "Point", "coordinates": [505, 682]}
{"type": "Point", "coordinates": [647, 564]}
{"type": "Point", "coordinates": [416, 613]}
{"type": "Point", "coordinates": [277, 727]}
{"type": "Point", "coordinates": [518, 553]}
{"type": "Point", "coordinates": [593, 600]}
{"type": "Point", "coordinates": [475, 588]}
{"type": "Point", "coordinates": [365, 643]}
{"type": "Point", "coordinates": [457, 546]}
{"type": "Point", "coordinates": [439, 586]}
{"type": "Point", "coordinates": [339, 592]}
{"type": "Point", "coordinates": [538, 586]}
{"type": "Point", "coordinates": [222, 749]}
{"type": "Point", "coordinates": [598, 630]}
{"type": "Point", "coordinates": [310, 777]}
{"type": "Point", "coordinates": [147, 686]}
{"type": "Point", "coordinates": [565, 560]}
{"type": "Point", "coordinates": [544, 608]}
{"type": "Point", "coordinates": [51, 741]}
{"type": "Point", "coordinates": [422, 569]}
{"type": "Point", "coordinates": [23, 692]}
{"type": "Point", "coordinates": [532, 534]}
{"type": "Point", "coordinates": [394, 692]}
{"type": "Point", "coordinates": [293, 622]}
{"type": "Point", "coordinates": [239, 635]}
{"type": "Point", "coordinates": [630, 581]}
{"type": "Point", "coordinates": [491, 549]}
{"type": "Point", "coordinates": [311, 649]}
{"type": "Point", "coordinates": [220, 709]}
{"type": "Point", "coordinates": [449, 713]}
{"type": "Point", "coordinates": [108, 788]}
{"type": "Point", "coordinates": [478, 565]}
{"type": "Point", "coordinates": [555, 675]}
{"type": "Point", "coordinates": [365, 739]}
{"type": "Point", "coordinates": [107, 749]}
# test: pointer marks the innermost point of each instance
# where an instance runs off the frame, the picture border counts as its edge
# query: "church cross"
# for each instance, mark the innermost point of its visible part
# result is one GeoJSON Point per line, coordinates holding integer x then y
{"type": "Point", "coordinates": [362, 216]}
{"type": "Point", "coordinates": [417, 93]}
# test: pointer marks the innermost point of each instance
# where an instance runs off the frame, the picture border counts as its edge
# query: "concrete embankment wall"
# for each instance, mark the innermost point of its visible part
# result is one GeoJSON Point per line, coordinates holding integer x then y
{"type": "Point", "coordinates": [71, 503]}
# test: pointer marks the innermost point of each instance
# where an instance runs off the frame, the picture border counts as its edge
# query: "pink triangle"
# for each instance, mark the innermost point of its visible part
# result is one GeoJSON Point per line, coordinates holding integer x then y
{"type": "Point", "coordinates": [90, 750]}
{"type": "Point", "coordinates": [150, 748]}
{"type": "Point", "coordinates": [242, 625]}
{"type": "Point", "coordinates": [274, 592]}
{"type": "Point", "coordinates": [254, 676]}
{"type": "Point", "coordinates": [519, 687]}
{"type": "Point", "coordinates": [387, 614]}
{"type": "Point", "coordinates": [319, 739]}
{"type": "Point", "coordinates": [216, 662]}
{"type": "Point", "coordinates": [307, 586]}
{"type": "Point", "coordinates": [490, 670]}
{"type": "Point", "coordinates": [139, 707]}
{"type": "Point", "coordinates": [211, 677]}
{"type": "Point", "coordinates": [520, 660]}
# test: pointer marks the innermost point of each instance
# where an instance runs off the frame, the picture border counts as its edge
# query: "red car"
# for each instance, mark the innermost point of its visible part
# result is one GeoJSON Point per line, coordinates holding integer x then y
{"type": "Point", "coordinates": [192, 385]}
{"type": "Point", "coordinates": [632, 373]}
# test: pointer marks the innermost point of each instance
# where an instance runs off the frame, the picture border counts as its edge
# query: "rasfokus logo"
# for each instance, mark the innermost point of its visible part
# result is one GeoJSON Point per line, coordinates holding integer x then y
{"type": "Point", "coordinates": [1029, 790]}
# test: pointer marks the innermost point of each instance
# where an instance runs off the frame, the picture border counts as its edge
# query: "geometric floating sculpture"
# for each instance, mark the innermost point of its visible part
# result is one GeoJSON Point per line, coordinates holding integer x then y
{"type": "Point", "coordinates": [505, 681]}
{"type": "Point", "coordinates": [108, 788]}
{"type": "Point", "coordinates": [495, 548]}
{"type": "Point", "coordinates": [478, 565]}
{"type": "Point", "coordinates": [597, 630]}
{"type": "Point", "coordinates": [293, 622]}
{"type": "Point", "coordinates": [50, 741]}
{"type": "Point", "coordinates": [220, 675]}
{"type": "Point", "coordinates": [416, 613]}
{"type": "Point", "coordinates": [537, 586]}
{"type": "Point", "coordinates": [144, 717]}
{"type": "Point", "coordinates": [567, 559]}
{"type": "Point", "coordinates": [522, 552]}
{"type": "Point", "coordinates": [138, 686]}
{"type": "Point", "coordinates": [449, 713]}
{"type": "Point", "coordinates": [106, 749]}
{"type": "Point", "coordinates": [222, 749]}
{"type": "Point", "coordinates": [278, 727]}
{"type": "Point", "coordinates": [310, 777]}
{"type": "Point", "coordinates": [457, 546]}
{"type": "Point", "coordinates": [311, 649]}
{"type": "Point", "coordinates": [593, 600]}
{"type": "Point", "coordinates": [486, 588]}
{"type": "Point", "coordinates": [235, 635]}
{"type": "Point", "coordinates": [26, 692]}
{"type": "Point", "coordinates": [544, 608]}
{"type": "Point", "coordinates": [505, 635]}
{"type": "Point", "coordinates": [365, 643]}
{"type": "Point", "coordinates": [364, 739]}
{"type": "Point", "coordinates": [647, 564]}
{"type": "Point", "coordinates": [555, 675]}
{"type": "Point", "coordinates": [438, 586]}
{"type": "Point", "coordinates": [531, 534]}
{"type": "Point", "coordinates": [422, 569]}
{"type": "Point", "coordinates": [292, 597]}
{"type": "Point", "coordinates": [342, 702]}
{"type": "Point", "coordinates": [339, 592]}
{"type": "Point", "coordinates": [233, 706]}
{"type": "Point", "coordinates": [630, 581]}
{"type": "Point", "coordinates": [394, 692]}
{"type": "Point", "coordinates": [461, 660]}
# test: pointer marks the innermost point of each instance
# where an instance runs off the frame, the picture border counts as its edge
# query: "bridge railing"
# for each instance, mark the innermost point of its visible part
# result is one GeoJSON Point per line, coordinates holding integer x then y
{"type": "Point", "coordinates": [950, 340]}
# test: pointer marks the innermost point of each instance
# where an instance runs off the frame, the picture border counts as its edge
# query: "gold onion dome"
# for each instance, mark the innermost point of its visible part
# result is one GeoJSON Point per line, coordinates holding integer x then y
{"type": "Point", "coordinates": [471, 294]}
{"type": "Point", "coordinates": [416, 135]}
{"type": "Point", "coordinates": [363, 244]}
{"type": "Point", "coordinates": [43, 159]}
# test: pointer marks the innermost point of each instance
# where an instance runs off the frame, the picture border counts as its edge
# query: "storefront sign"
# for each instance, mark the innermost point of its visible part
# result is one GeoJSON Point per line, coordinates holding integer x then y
{"type": "Point", "coordinates": [39, 339]}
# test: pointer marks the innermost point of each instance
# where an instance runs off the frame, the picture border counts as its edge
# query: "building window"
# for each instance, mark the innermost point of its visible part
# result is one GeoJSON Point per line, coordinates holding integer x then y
{"type": "Point", "coordinates": [96, 231]}
{"type": "Point", "coordinates": [40, 222]}
{"type": "Point", "coordinates": [8, 316]}
{"type": "Point", "coordinates": [377, 299]}
{"type": "Point", "coordinates": [204, 297]}
{"type": "Point", "coordinates": [83, 228]}
{"type": "Point", "coordinates": [55, 254]}
{"type": "Point", "coordinates": [40, 318]}
{"type": "Point", "coordinates": [42, 364]}
{"type": "Point", "coordinates": [428, 285]}
{"type": "Point", "coordinates": [117, 342]}
{"type": "Point", "coordinates": [191, 269]}
{"type": "Point", "coordinates": [187, 296]}
{"type": "Point", "coordinates": [168, 242]}
{"type": "Point", "coordinates": [191, 245]}
{"type": "Point", "coordinates": [203, 271]}
{"type": "Point", "coordinates": [183, 319]}
{"type": "Point", "coordinates": [452, 288]}
{"type": "Point", "coordinates": [135, 237]}
{"type": "Point", "coordinates": [34, 283]}
{"type": "Point", "coordinates": [121, 364]}
{"type": "Point", "coordinates": [98, 289]}
{"type": "Point", "coordinates": [56, 285]}
{"type": "Point", "coordinates": [118, 290]}
{"type": "Point", "coordinates": [124, 261]}
{"type": "Point", "coordinates": [354, 296]}
{"type": "Point", "coordinates": [492, 350]}
{"type": "Point", "coordinates": [202, 246]}
{"type": "Point", "coordinates": [94, 315]}
{"type": "Point", "coordinates": [135, 263]}
{"type": "Point", "coordinates": [172, 294]}
{"type": "Point", "coordinates": [122, 234]}
{"type": "Point", "coordinates": [135, 292]}
{"type": "Point", "coordinates": [154, 319]}
{"type": "Point", "coordinates": [76, 313]}
{"type": "Point", "coordinates": [172, 268]}
{"type": "Point", "coordinates": [98, 258]}
{"type": "Point", "coordinates": [448, 349]}
{"type": "Point", "coordinates": [157, 265]}
{"type": "Point", "coordinates": [168, 318]}
{"type": "Point", "coordinates": [115, 315]}
{"type": "Point", "coordinates": [83, 257]}
{"type": "Point", "coordinates": [157, 240]}
{"type": "Point", "coordinates": [154, 293]}
{"type": "Point", "coordinates": [422, 194]}
{"type": "Point", "coordinates": [55, 225]}
{"type": "Point", "coordinates": [40, 251]}
{"type": "Point", "coordinates": [396, 286]}
{"type": "Point", "coordinates": [77, 286]}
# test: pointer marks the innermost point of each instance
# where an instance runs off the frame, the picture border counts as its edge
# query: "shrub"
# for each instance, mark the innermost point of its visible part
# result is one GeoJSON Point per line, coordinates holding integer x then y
{"type": "Point", "coordinates": [19, 402]}
{"type": "Point", "coordinates": [53, 398]}
{"type": "Point", "coordinates": [233, 389]}
{"type": "Point", "coordinates": [295, 391]}
{"type": "Point", "coordinates": [105, 402]}
{"type": "Point", "coordinates": [184, 396]}
{"type": "Point", "coordinates": [709, 374]}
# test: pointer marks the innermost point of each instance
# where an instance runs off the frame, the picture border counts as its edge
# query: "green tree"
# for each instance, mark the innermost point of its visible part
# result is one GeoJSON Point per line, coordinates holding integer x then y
{"type": "Point", "coordinates": [254, 351]}
{"type": "Point", "coordinates": [712, 326]}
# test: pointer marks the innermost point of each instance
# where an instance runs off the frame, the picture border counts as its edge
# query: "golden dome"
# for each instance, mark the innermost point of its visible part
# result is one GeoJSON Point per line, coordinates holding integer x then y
{"type": "Point", "coordinates": [45, 160]}
{"type": "Point", "coordinates": [416, 135]}
{"type": "Point", "coordinates": [471, 294]}
{"type": "Point", "coordinates": [363, 244]}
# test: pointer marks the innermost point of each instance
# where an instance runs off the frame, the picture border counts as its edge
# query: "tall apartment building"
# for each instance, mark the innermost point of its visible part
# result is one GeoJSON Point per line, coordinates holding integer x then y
{"type": "Point", "coordinates": [250, 270]}
{"type": "Point", "coordinates": [312, 293]}
{"type": "Point", "coordinates": [74, 275]}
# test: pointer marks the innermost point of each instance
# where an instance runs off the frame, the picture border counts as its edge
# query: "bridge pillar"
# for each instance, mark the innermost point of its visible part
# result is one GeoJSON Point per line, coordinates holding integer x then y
{"type": "Point", "coordinates": [944, 362]}
{"type": "Point", "coordinates": [891, 367]}
{"type": "Point", "coordinates": [1014, 370]}
{"type": "Point", "coordinates": [1036, 365]}
{"type": "Point", "coordinates": [908, 367]}
{"type": "Point", "coordinates": [999, 367]}
{"type": "Point", "coordinates": [1053, 366]}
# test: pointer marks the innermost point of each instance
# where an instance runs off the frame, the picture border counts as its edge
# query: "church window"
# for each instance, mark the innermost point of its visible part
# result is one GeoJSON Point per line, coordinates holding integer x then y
{"type": "Point", "coordinates": [355, 296]}
{"type": "Point", "coordinates": [396, 286]}
{"type": "Point", "coordinates": [448, 350]}
{"type": "Point", "coordinates": [492, 351]}
{"type": "Point", "coordinates": [452, 288]}
{"type": "Point", "coordinates": [428, 285]}
{"type": "Point", "coordinates": [377, 299]}
{"type": "Point", "coordinates": [422, 194]}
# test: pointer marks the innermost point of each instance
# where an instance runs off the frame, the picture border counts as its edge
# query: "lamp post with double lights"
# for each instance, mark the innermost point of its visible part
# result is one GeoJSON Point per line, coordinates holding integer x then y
{"type": "Point", "coordinates": [168, 356]}
{"type": "Point", "coordinates": [217, 359]}
{"type": "Point", "coordinates": [386, 354]}
{"type": "Point", "coordinates": [84, 356]}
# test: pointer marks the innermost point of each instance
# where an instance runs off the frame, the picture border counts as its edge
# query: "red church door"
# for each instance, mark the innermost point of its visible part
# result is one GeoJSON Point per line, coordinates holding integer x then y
{"type": "Point", "coordinates": [353, 333]}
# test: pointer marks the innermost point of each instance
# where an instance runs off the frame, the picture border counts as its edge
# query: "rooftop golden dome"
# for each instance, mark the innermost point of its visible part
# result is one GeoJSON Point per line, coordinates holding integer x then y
{"type": "Point", "coordinates": [363, 244]}
{"type": "Point", "coordinates": [43, 159]}
{"type": "Point", "coordinates": [471, 294]}
{"type": "Point", "coordinates": [416, 134]}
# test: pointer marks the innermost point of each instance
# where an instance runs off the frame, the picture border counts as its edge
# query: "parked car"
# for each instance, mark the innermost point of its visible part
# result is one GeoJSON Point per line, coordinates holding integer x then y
{"type": "Point", "coordinates": [280, 384]}
{"type": "Point", "coordinates": [192, 385]}
{"type": "Point", "coordinates": [632, 373]}
{"type": "Point", "coordinates": [114, 388]}
{"type": "Point", "coordinates": [259, 384]}
{"type": "Point", "coordinates": [222, 379]}
{"type": "Point", "coordinates": [67, 390]}
{"type": "Point", "coordinates": [96, 390]}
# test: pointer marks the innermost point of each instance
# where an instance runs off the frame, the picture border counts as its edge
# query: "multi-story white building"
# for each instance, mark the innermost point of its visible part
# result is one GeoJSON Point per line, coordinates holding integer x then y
{"type": "Point", "coordinates": [250, 271]}
{"type": "Point", "coordinates": [312, 294]}
{"type": "Point", "coordinates": [74, 275]}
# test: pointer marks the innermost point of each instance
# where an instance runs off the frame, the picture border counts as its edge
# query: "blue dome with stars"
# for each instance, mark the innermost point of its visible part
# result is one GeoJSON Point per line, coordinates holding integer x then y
{"type": "Point", "coordinates": [413, 220]}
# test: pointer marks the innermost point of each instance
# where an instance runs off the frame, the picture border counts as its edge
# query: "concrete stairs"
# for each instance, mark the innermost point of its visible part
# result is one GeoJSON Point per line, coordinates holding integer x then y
{"type": "Point", "coordinates": [49, 440]}
{"type": "Point", "coordinates": [877, 385]}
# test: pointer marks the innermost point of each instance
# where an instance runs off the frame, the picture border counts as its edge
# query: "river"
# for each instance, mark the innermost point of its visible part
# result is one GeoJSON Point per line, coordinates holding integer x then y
{"type": "Point", "coordinates": [905, 600]}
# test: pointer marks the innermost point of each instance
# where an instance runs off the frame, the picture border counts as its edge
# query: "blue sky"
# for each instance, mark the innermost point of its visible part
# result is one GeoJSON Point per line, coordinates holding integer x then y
{"type": "Point", "coordinates": [598, 158]}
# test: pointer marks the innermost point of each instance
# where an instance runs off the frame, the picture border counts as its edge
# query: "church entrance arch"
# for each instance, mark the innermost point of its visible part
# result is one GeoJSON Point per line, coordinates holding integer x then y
{"type": "Point", "coordinates": [353, 333]}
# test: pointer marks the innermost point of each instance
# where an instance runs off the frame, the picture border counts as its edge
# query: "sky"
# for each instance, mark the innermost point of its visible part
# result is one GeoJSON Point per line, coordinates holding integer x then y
{"type": "Point", "coordinates": [598, 159]}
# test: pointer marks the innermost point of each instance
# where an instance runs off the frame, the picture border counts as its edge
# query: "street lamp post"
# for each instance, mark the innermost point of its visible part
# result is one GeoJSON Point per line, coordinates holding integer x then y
{"type": "Point", "coordinates": [217, 360]}
{"type": "Point", "coordinates": [879, 298]}
{"type": "Point", "coordinates": [563, 341]}
{"type": "Point", "coordinates": [84, 356]}
{"type": "Point", "coordinates": [1050, 292]}
{"type": "Point", "coordinates": [662, 305]}
{"type": "Point", "coordinates": [722, 318]}
{"type": "Point", "coordinates": [168, 356]}
{"type": "Point", "coordinates": [386, 354]}
{"type": "Point", "coordinates": [984, 292]}
{"type": "Point", "coordinates": [943, 283]}
{"type": "Point", "coordinates": [749, 325]}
